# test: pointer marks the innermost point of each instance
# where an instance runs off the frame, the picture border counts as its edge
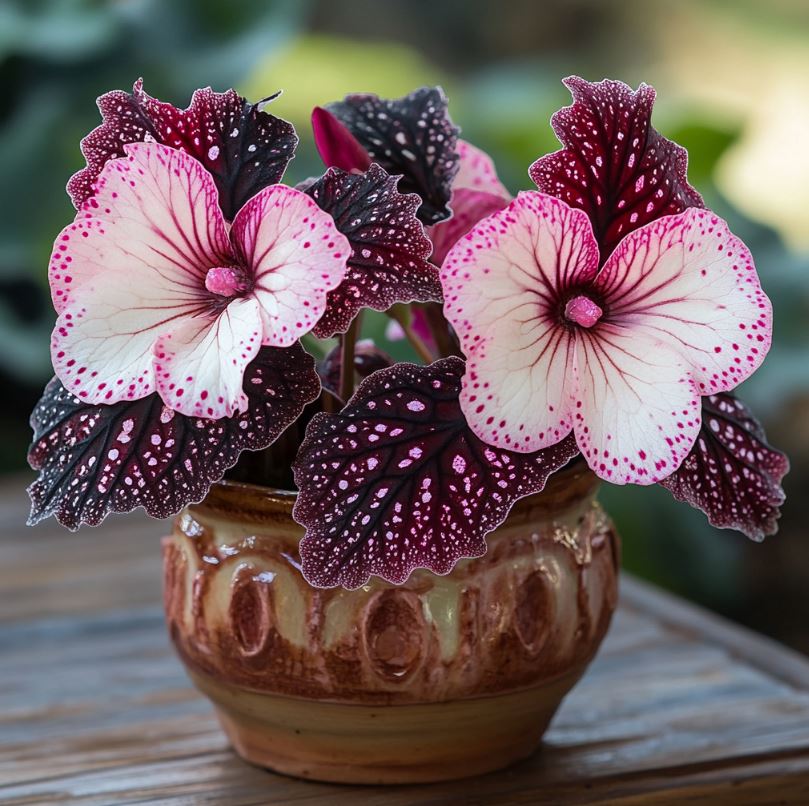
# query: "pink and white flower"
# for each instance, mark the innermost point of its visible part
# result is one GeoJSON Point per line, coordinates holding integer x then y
{"type": "Point", "coordinates": [155, 292]}
{"type": "Point", "coordinates": [619, 355]}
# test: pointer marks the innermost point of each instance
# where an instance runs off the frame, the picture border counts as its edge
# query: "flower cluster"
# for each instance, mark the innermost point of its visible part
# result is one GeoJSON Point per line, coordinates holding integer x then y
{"type": "Point", "coordinates": [605, 317]}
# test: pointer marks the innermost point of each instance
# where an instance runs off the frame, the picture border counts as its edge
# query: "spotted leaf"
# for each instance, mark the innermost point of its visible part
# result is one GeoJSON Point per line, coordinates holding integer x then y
{"type": "Point", "coordinates": [731, 473]}
{"type": "Point", "coordinates": [398, 481]}
{"type": "Point", "coordinates": [244, 148]}
{"type": "Point", "coordinates": [97, 459]}
{"type": "Point", "coordinates": [412, 136]}
{"type": "Point", "coordinates": [614, 165]}
{"type": "Point", "coordinates": [389, 249]}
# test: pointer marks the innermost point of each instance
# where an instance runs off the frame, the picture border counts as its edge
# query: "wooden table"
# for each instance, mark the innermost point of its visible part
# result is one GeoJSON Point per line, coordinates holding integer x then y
{"type": "Point", "coordinates": [680, 706]}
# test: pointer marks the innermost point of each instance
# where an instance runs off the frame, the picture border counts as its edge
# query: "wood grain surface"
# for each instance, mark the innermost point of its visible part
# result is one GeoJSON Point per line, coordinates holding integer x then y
{"type": "Point", "coordinates": [679, 707]}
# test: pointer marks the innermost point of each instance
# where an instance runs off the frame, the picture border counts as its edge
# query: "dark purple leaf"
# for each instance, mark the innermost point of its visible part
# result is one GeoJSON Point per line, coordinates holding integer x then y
{"type": "Point", "coordinates": [123, 121]}
{"type": "Point", "coordinates": [397, 481]}
{"type": "Point", "coordinates": [96, 459]}
{"type": "Point", "coordinates": [338, 148]}
{"type": "Point", "coordinates": [244, 148]}
{"type": "Point", "coordinates": [368, 358]}
{"type": "Point", "coordinates": [614, 165]}
{"type": "Point", "coordinates": [389, 248]}
{"type": "Point", "coordinates": [412, 136]}
{"type": "Point", "coordinates": [732, 474]}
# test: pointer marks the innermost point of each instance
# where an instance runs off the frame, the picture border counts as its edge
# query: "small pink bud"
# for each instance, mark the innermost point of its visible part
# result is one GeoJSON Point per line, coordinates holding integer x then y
{"type": "Point", "coordinates": [223, 281]}
{"type": "Point", "coordinates": [583, 311]}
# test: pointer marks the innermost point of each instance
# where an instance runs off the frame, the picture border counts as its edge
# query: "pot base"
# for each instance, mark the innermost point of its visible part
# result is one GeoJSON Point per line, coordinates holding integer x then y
{"type": "Point", "coordinates": [388, 744]}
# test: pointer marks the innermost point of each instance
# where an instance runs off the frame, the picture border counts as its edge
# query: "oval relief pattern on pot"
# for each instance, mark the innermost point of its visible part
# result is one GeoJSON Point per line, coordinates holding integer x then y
{"type": "Point", "coordinates": [250, 610]}
{"type": "Point", "coordinates": [394, 633]}
{"type": "Point", "coordinates": [533, 611]}
{"type": "Point", "coordinates": [535, 607]}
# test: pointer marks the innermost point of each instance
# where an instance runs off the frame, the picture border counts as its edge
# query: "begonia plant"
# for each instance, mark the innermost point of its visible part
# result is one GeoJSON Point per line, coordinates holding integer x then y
{"type": "Point", "coordinates": [605, 317]}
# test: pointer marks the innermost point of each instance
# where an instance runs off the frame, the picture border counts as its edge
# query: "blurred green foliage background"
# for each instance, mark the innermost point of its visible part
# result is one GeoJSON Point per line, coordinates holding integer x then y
{"type": "Point", "coordinates": [733, 87]}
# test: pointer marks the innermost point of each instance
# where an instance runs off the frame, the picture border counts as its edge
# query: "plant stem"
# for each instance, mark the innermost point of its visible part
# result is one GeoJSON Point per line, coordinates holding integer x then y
{"type": "Point", "coordinates": [415, 342]}
{"type": "Point", "coordinates": [439, 327]}
{"type": "Point", "coordinates": [329, 402]}
{"type": "Point", "coordinates": [348, 343]}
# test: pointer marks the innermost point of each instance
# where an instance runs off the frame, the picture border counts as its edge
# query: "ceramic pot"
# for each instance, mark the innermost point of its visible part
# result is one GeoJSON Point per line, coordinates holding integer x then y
{"type": "Point", "coordinates": [439, 678]}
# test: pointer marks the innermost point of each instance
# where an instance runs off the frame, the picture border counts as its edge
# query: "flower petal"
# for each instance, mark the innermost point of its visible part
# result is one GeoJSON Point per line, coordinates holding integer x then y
{"type": "Point", "coordinates": [397, 481]}
{"type": "Point", "coordinates": [731, 473]}
{"type": "Point", "coordinates": [412, 136]}
{"type": "Point", "coordinates": [101, 346]}
{"type": "Point", "coordinates": [296, 256]}
{"type": "Point", "coordinates": [338, 148]}
{"type": "Point", "coordinates": [199, 366]}
{"type": "Point", "coordinates": [687, 282]}
{"type": "Point", "coordinates": [503, 284]}
{"type": "Point", "coordinates": [636, 408]}
{"type": "Point", "coordinates": [389, 250]}
{"type": "Point", "coordinates": [614, 165]}
{"type": "Point", "coordinates": [96, 459]}
{"type": "Point", "coordinates": [476, 171]}
{"type": "Point", "coordinates": [244, 148]}
{"type": "Point", "coordinates": [154, 215]}
{"type": "Point", "coordinates": [476, 193]}
{"type": "Point", "coordinates": [468, 207]}
{"type": "Point", "coordinates": [131, 265]}
{"type": "Point", "coordinates": [515, 391]}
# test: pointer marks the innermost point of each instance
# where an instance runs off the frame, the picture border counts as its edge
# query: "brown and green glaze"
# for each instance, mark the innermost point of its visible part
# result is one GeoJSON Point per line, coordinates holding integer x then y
{"type": "Point", "coordinates": [438, 678]}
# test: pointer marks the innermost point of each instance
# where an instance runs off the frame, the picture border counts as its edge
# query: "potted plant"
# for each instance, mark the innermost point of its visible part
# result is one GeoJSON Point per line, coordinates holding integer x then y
{"type": "Point", "coordinates": [381, 571]}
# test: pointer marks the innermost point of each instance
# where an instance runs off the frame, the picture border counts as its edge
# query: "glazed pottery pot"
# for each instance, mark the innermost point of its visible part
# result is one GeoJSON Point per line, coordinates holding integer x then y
{"type": "Point", "coordinates": [439, 678]}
